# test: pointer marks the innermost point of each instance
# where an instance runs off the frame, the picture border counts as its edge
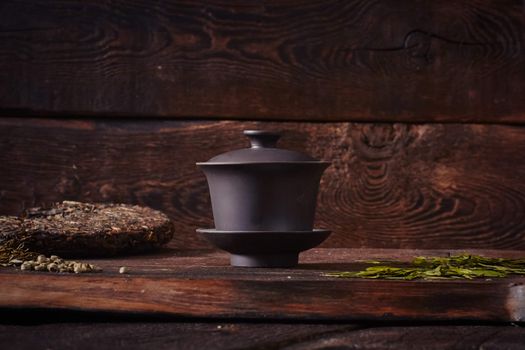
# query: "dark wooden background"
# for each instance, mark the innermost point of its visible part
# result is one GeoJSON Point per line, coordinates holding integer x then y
{"type": "Point", "coordinates": [366, 60]}
{"type": "Point", "coordinates": [419, 104]}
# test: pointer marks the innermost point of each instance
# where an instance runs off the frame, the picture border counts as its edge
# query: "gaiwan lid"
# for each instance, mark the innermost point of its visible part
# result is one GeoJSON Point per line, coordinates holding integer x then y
{"type": "Point", "coordinates": [263, 150]}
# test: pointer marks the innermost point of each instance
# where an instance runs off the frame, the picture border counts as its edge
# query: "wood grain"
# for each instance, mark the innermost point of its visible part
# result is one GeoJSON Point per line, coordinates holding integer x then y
{"type": "Point", "coordinates": [361, 60]}
{"type": "Point", "coordinates": [390, 185]}
{"type": "Point", "coordinates": [180, 335]}
{"type": "Point", "coordinates": [190, 284]}
{"type": "Point", "coordinates": [425, 337]}
{"type": "Point", "coordinates": [163, 335]}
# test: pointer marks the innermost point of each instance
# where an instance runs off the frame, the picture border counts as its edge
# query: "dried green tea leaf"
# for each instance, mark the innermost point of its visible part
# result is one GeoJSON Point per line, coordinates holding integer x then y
{"type": "Point", "coordinates": [466, 266]}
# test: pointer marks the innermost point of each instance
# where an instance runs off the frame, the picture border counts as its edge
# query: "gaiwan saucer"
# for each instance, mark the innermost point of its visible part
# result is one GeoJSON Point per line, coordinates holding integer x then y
{"type": "Point", "coordinates": [264, 248]}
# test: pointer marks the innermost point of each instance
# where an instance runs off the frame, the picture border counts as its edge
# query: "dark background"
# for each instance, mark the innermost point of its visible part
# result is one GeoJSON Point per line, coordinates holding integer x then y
{"type": "Point", "coordinates": [419, 105]}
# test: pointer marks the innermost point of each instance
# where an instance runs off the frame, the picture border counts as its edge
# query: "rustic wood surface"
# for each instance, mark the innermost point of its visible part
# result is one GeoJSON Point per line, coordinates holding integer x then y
{"type": "Point", "coordinates": [201, 284]}
{"type": "Point", "coordinates": [155, 335]}
{"type": "Point", "coordinates": [363, 60]}
{"type": "Point", "coordinates": [390, 185]}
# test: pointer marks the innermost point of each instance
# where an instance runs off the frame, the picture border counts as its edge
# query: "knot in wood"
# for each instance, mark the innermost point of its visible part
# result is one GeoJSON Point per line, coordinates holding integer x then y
{"type": "Point", "coordinates": [417, 46]}
{"type": "Point", "coordinates": [381, 141]}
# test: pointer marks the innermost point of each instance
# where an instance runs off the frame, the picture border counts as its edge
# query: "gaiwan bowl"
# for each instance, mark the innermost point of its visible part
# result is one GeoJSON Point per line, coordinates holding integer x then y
{"type": "Point", "coordinates": [263, 188]}
{"type": "Point", "coordinates": [259, 196]}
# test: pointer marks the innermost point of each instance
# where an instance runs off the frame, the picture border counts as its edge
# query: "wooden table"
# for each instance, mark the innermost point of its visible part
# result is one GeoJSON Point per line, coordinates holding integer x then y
{"type": "Point", "coordinates": [195, 299]}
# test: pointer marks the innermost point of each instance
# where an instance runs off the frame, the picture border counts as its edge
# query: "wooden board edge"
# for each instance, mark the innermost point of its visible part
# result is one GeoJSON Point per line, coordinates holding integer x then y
{"type": "Point", "coordinates": [282, 300]}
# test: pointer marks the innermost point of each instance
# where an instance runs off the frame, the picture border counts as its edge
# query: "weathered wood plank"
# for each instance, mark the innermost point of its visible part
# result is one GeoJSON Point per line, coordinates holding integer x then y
{"type": "Point", "coordinates": [362, 60]}
{"type": "Point", "coordinates": [425, 337]}
{"type": "Point", "coordinates": [162, 335]}
{"type": "Point", "coordinates": [179, 284]}
{"type": "Point", "coordinates": [390, 185]}
{"type": "Point", "coordinates": [258, 336]}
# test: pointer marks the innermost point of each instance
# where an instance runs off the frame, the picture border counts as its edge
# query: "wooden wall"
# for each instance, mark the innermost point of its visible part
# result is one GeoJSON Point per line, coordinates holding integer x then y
{"type": "Point", "coordinates": [419, 104]}
{"type": "Point", "coordinates": [409, 60]}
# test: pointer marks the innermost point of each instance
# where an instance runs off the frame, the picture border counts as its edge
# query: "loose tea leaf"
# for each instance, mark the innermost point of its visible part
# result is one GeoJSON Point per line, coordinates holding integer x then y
{"type": "Point", "coordinates": [13, 250]}
{"type": "Point", "coordinates": [13, 253]}
{"type": "Point", "coordinates": [466, 266]}
{"type": "Point", "coordinates": [15, 239]}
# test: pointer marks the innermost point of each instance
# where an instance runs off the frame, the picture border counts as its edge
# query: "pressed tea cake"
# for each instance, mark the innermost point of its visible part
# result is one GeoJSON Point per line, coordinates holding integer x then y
{"type": "Point", "coordinates": [84, 229]}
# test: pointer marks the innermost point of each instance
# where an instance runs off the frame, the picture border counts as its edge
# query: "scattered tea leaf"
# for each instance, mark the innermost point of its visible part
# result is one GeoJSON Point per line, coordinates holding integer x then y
{"type": "Point", "coordinates": [370, 261]}
{"type": "Point", "coordinates": [13, 253]}
{"type": "Point", "coordinates": [13, 249]}
{"type": "Point", "coordinates": [466, 266]}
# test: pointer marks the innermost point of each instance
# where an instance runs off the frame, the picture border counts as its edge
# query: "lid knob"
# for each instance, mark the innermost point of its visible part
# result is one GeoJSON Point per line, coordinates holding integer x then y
{"type": "Point", "coordinates": [262, 138]}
